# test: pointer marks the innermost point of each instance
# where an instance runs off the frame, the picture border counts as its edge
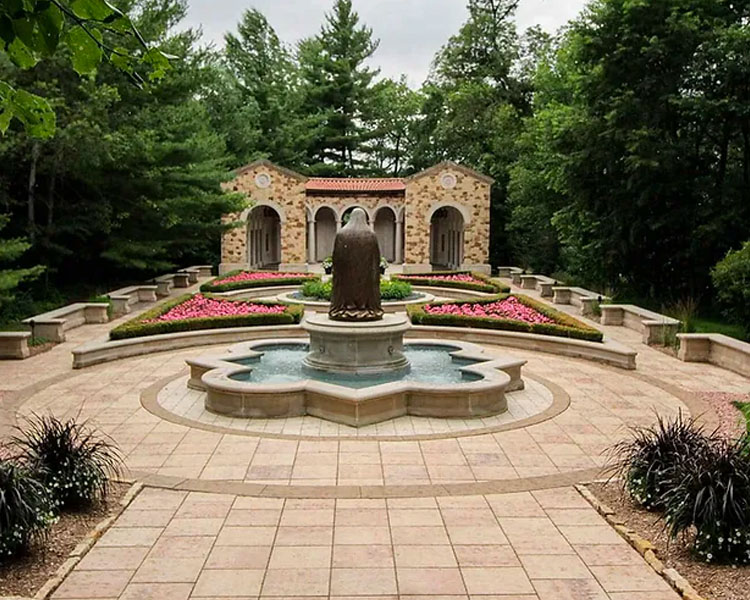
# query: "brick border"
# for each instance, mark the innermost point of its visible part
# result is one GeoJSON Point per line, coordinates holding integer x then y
{"type": "Point", "coordinates": [641, 545]}
{"type": "Point", "coordinates": [77, 554]}
{"type": "Point", "coordinates": [560, 403]}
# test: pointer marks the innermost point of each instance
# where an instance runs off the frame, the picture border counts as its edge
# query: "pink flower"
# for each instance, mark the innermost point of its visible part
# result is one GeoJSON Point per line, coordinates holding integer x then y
{"type": "Point", "coordinates": [462, 277]}
{"type": "Point", "coordinates": [260, 276]}
{"type": "Point", "coordinates": [510, 309]}
{"type": "Point", "coordinates": [200, 307]}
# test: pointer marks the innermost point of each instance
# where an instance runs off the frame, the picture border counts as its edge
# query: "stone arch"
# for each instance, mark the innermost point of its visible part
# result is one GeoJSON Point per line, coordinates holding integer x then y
{"type": "Point", "coordinates": [326, 225]}
{"type": "Point", "coordinates": [260, 203]}
{"type": "Point", "coordinates": [350, 207]}
{"type": "Point", "coordinates": [447, 226]}
{"type": "Point", "coordinates": [264, 226]}
{"type": "Point", "coordinates": [465, 213]}
{"type": "Point", "coordinates": [384, 225]}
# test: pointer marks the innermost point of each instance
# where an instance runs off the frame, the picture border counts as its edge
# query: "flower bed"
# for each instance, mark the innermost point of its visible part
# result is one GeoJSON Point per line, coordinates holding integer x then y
{"type": "Point", "coordinates": [462, 280]}
{"type": "Point", "coordinates": [506, 312]}
{"type": "Point", "coordinates": [245, 280]}
{"type": "Point", "coordinates": [192, 313]}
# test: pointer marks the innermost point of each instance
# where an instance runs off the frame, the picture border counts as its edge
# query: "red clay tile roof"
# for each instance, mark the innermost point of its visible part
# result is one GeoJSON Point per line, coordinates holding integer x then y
{"type": "Point", "coordinates": [321, 184]}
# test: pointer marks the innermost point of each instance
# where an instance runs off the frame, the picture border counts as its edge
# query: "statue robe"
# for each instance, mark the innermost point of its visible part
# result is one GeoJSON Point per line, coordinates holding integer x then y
{"type": "Point", "coordinates": [356, 273]}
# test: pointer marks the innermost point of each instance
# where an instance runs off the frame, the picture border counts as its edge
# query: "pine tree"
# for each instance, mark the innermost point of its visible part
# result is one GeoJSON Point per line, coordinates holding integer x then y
{"type": "Point", "coordinates": [10, 251]}
{"type": "Point", "coordinates": [338, 92]}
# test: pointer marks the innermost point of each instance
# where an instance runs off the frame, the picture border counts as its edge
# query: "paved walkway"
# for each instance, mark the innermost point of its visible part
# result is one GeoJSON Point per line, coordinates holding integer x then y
{"type": "Point", "coordinates": [301, 508]}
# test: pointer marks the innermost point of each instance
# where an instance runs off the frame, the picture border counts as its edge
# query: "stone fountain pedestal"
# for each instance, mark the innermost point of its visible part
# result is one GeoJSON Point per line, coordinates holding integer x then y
{"type": "Point", "coordinates": [357, 347]}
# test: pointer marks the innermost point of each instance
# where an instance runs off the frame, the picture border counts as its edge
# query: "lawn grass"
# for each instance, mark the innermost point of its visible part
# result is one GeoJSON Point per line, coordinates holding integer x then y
{"type": "Point", "coordinates": [744, 408]}
{"type": "Point", "coordinates": [705, 325]}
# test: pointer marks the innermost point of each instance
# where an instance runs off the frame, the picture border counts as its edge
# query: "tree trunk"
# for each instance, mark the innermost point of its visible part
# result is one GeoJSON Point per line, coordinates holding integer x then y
{"type": "Point", "coordinates": [31, 197]}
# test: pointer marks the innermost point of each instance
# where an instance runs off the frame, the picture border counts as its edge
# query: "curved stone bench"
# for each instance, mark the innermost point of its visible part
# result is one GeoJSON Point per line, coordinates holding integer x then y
{"type": "Point", "coordinates": [14, 344]}
{"type": "Point", "coordinates": [657, 330]}
{"type": "Point", "coordinates": [608, 352]}
{"type": "Point", "coordinates": [585, 300]}
{"type": "Point", "coordinates": [716, 349]}
{"type": "Point", "coordinates": [53, 325]}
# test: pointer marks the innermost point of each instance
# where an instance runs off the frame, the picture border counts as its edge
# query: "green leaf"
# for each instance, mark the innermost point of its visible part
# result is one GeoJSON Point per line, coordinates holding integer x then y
{"type": "Point", "coordinates": [159, 63]}
{"type": "Point", "coordinates": [86, 53]}
{"type": "Point", "coordinates": [34, 112]}
{"type": "Point", "coordinates": [50, 24]}
{"type": "Point", "coordinates": [92, 9]}
{"type": "Point", "coordinates": [21, 55]}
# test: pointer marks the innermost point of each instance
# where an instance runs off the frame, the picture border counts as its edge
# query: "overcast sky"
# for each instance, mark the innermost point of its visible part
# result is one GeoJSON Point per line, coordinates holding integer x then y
{"type": "Point", "coordinates": [410, 31]}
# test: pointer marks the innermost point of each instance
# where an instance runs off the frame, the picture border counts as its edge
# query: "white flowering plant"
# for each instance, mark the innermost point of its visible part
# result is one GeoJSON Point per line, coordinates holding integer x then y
{"type": "Point", "coordinates": [70, 459]}
{"type": "Point", "coordinates": [26, 509]}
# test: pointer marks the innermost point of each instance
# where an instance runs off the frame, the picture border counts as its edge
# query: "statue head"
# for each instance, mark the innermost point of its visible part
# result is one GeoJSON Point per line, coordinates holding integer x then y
{"type": "Point", "coordinates": [358, 219]}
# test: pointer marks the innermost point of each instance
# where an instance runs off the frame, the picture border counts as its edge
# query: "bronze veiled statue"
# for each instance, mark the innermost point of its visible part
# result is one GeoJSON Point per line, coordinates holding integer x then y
{"type": "Point", "coordinates": [356, 273]}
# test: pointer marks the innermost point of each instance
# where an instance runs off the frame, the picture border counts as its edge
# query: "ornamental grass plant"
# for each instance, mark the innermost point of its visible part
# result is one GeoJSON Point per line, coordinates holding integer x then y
{"type": "Point", "coordinates": [69, 459]}
{"type": "Point", "coordinates": [26, 509]}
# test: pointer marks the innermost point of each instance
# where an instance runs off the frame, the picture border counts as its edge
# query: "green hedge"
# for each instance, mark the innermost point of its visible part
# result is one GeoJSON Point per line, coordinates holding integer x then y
{"type": "Point", "coordinates": [137, 328]}
{"type": "Point", "coordinates": [389, 290]}
{"type": "Point", "coordinates": [212, 286]}
{"type": "Point", "coordinates": [564, 326]}
{"type": "Point", "coordinates": [488, 286]}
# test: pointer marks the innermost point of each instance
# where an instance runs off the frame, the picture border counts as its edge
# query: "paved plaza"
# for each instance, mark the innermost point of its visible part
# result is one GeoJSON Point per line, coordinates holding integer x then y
{"type": "Point", "coordinates": [411, 508]}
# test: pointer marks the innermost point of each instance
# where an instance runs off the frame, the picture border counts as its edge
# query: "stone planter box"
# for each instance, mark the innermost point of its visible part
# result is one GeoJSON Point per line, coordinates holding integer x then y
{"type": "Point", "coordinates": [716, 349]}
{"type": "Point", "coordinates": [53, 325]}
{"type": "Point", "coordinates": [14, 344]}
{"type": "Point", "coordinates": [657, 330]}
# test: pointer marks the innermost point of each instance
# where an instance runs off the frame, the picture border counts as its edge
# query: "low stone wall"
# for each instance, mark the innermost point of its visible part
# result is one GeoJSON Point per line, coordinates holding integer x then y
{"type": "Point", "coordinates": [657, 329]}
{"type": "Point", "coordinates": [14, 344]}
{"type": "Point", "coordinates": [716, 349]}
{"type": "Point", "coordinates": [608, 352]}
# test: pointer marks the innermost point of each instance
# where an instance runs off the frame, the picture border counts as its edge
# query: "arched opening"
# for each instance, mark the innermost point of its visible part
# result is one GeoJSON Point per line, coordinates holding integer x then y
{"type": "Point", "coordinates": [385, 229]}
{"type": "Point", "coordinates": [447, 238]}
{"type": "Point", "coordinates": [263, 238]}
{"type": "Point", "coordinates": [325, 233]}
{"type": "Point", "coordinates": [348, 213]}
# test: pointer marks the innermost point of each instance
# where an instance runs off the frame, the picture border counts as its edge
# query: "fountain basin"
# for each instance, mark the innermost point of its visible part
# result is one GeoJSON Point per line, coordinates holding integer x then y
{"type": "Point", "coordinates": [477, 391]}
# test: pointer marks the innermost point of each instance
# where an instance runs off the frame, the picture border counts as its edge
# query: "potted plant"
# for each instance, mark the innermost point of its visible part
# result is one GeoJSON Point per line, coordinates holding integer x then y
{"type": "Point", "coordinates": [328, 265]}
{"type": "Point", "coordinates": [383, 265]}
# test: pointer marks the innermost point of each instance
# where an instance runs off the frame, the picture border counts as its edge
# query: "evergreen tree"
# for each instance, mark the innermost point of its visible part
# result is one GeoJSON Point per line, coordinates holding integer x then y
{"type": "Point", "coordinates": [10, 251]}
{"type": "Point", "coordinates": [338, 92]}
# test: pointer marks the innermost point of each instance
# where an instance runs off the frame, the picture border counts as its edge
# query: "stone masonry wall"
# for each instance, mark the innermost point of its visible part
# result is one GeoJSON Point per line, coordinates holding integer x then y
{"type": "Point", "coordinates": [285, 191]}
{"type": "Point", "coordinates": [425, 192]}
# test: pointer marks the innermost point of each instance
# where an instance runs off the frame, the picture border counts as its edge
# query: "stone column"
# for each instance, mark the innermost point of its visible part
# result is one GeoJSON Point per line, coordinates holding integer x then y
{"type": "Point", "coordinates": [399, 242]}
{"type": "Point", "coordinates": [311, 241]}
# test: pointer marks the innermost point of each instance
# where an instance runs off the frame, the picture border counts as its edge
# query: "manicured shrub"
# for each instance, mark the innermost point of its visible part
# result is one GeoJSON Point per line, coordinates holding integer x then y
{"type": "Point", "coordinates": [462, 280]}
{"type": "Point", "coordinates": [152, 322]}
{"type": "Point", "coordinates": [389, 290]}
{"type": "Point", "coordinates": [731, 278]}
{"type": "Point", "coordinates": [245, 280]}
{"type": "Point", "coordinates": [650, 463]}
{"type": "Point", "coordinates": [557, 323]}
{"type": "Point", "coordinates": [26, 509]}
{"type": "Point", "coordinates": [72, 462]}
{"type": "Point", "coordinates": [710, 500]}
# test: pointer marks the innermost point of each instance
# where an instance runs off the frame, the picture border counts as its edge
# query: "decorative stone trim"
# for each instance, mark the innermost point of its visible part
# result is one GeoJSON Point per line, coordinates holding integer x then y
{"type": "Point", "coordinates": [641, 545]}
{"type": "Point", "coordinates": [14, 344]}
{"type": "Point", "coordinates": [716, 349]}
{"type": "Point", "coordinates": [82, 548]}
{"type": "Point", "coordinates": [657, 329]}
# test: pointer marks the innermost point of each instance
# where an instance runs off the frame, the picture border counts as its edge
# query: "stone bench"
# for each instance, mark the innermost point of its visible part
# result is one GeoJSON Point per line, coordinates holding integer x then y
{"type": "Point", "coordinates": [507, 272]}
{"type": "Point", "coordinates": [585, 300]}
{"type": "Point", "coordinates": [53, 325]}
{"type": "Point", "coordinates": [716, 349]}
{"type": "Point", "coordinates": [657, 330]}
{"type": "Point", "coordinates": [164, 285]}
{"type": "Point", "coordinates": [204, 271]}
{"type": "Point", "coordinates": [192, 274]}
{"type": "Point", "coordinates": [14, 344]}
{"type": "Point", "coordinates": [124, 298]}
{"type": "Point", "coordinates": [181, 279]}
{"type": "Point", "coordinates": [542, 283]}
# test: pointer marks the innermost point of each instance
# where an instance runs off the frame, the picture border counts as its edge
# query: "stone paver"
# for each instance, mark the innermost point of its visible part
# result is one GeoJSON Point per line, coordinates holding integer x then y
{"type": "Point", "coordinates": [358, 540]}
{"type": "Point", "coordinates": [309, 548]}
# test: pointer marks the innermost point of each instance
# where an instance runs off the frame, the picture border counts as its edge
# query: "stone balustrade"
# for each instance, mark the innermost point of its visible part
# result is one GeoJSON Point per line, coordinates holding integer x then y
{"type": "Point", "coordinates": [52, 325]}
{"type": "Point", "coordinates": [716, 349]}
{"type": "Point", "coordinates": [657, 330]}
{"type": "Point", "coordinates": [14, 344]}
